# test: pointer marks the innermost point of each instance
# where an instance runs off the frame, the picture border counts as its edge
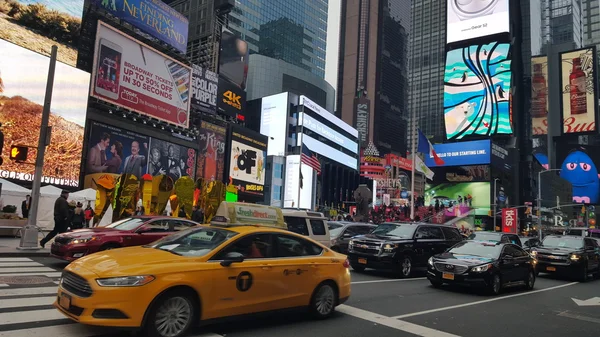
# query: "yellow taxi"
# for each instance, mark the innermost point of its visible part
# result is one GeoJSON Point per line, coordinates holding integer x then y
{"type": "Point", "coordinates": [203, 273]}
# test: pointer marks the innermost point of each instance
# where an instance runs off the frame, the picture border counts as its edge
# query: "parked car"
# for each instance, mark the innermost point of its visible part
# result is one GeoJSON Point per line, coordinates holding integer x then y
{"type": "Point", "coordinates": [568, 255]}
{"type": "Point", "coordinates": [342, 231]}
{"type": "Point", "coordinates": [400, 247]}
{"type": "Point", "coordinates": [496, 237]}
{"type": "Point", "coordinates": [493, 265]}
{"type": "Point", "coordinates": [134, 231]}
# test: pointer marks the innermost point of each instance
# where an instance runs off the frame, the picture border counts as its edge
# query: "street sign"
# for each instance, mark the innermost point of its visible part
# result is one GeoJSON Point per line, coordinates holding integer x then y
{"type": "Point", "coordinates": [18, 153]}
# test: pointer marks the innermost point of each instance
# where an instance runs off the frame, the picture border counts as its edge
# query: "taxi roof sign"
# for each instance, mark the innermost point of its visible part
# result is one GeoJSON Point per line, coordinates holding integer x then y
{"type": "Point", "coordinates": [239, 214]}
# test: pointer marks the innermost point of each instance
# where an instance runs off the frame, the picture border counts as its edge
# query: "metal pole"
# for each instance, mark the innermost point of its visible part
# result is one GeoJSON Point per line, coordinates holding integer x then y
{"type": "Point", "coordinates": [412, 175]}
{"type": "Point", "coordinates": [495, 204]}
{"type": "Point", "coordinates": [539, 205]}
{"type": "Point", "coordinates": [29, 238]}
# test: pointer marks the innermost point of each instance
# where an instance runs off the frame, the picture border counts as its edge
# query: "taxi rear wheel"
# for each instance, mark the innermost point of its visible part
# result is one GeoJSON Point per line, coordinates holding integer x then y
{"type": "Point", "coordinates": [172, 315]}
{"type": "Point", "coordinates": [324, 300]}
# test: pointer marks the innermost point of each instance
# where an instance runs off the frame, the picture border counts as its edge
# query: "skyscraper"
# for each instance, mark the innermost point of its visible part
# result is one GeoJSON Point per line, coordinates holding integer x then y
{"type": "Point", "coordinates": [373, 71]}
{"type": "Point", "coordinates": [427, 62]}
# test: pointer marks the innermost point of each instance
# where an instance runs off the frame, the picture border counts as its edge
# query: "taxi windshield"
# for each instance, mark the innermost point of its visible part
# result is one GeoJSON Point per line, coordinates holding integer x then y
{"type": "Point", "coordinates": [127, 224]}
{"type": "Point", "coordinates": [194, 241]}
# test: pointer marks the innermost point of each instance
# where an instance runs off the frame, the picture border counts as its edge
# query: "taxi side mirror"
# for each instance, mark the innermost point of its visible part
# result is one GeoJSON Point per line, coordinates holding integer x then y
{"type": "Point", "coordinates": [231, 258]}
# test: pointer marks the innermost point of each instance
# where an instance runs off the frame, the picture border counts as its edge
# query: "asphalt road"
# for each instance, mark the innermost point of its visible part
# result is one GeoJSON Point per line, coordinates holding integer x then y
{"type": "Point", "coordinates": [380, 306]}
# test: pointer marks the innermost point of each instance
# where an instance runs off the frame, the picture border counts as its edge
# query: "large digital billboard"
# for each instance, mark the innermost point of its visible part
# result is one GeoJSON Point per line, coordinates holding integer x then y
{"type": "Point", "coordinates": [477, 83]}
{"type": "Point", "coordinates": [274, 122]}
{"type": "Point", "coordinates": [153, 17]}
{"type": "Point", "coordinates": [40, 24]}
{"type": "Point", "coordinates": [455, 197]}
{"type": "Point", "coordinates": [475, 152]}
{"type": "Point", "coordinates": [130, 74]}
{"type": "Point", "coordinates": [205, 85]}
{"type": "Point", "coordinates": [313, 124]}
{"type": "Point", "coordinates": [578, 99]}
{"type": "Point", "coordinates": [539, 95]}
{"type": "Point", "coordinates": [294, 181]}
{"type": "Point", "coordinates": [472, 19]}
{"type": "Point", "coordinates": [23, 76]}
{"type": "Point", "coordinates": [211, 158]}
{"type": "Point", "coordinates": [231, 100]}
{"type": "Point", "coordinates": [247, 161]}
{"type": "Point", "coordinates": [579, 166]}
{"type": "Point", "coordinates": [233, 59]}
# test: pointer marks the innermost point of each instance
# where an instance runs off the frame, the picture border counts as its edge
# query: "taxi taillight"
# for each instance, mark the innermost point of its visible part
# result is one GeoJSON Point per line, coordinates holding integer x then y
{"type": "Point", "coordinates": [347, 263]}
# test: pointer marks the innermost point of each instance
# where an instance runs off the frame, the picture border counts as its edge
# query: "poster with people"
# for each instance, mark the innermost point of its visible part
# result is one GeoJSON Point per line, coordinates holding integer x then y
{"type": "Point", "coordinates": [211, 158]}
{"type": "Point", "coordinates": [175, 161]}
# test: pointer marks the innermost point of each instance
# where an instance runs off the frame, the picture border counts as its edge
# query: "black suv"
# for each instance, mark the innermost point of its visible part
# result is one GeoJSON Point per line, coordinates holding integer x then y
{"type": "Point", "coordinates": [567, 254]}
{"type": "Point", "coordinates": [400, 247]}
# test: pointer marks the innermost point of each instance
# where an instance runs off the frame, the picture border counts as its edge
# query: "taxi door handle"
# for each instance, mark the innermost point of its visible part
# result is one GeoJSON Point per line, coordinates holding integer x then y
{"type": "Point", "coordinates": [314, 264]}
{"type": "Point", "coordinates": [266, 267]}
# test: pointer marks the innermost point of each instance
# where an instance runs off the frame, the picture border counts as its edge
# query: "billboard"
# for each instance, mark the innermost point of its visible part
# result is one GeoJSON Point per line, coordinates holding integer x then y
{"type": "Point", "coordinates": [362, 119]}
{"type": "Point", "coordinates": [305, 101]}
{"type": "Point", "coordinates": [462, 174]}
{"type": "Point", "coordinates": [579, 166]}
{"type": "Point", "coordinates": [510, 220]}
{"type": "Point", "coordinates": [502, 158]}
{"type": "Point", "coordinates": [22, 92]}
{"type": "Point", "coordinates": [294, 181]}
{"type": "Point", "coordinates": [274, 122]}
{"type": "Point", "coordinates": [539, 95]}
{"type": "Point", "coordinates": [475, 152]}
{"type": "Point", "coordinates": [173, 160]}
{"type": "Point", "coordinates": [472, 19]}
{"type": "Point", "coordinates": [578, 99]}
{"type": "Point", "coordinates": [247, 162]}
{"type": "Point", "coordinates": [231, 99]}
{"type": "Point", "coordinates": [323, 130]}
{"type": "Point", "coordinates": [449, 194]}
{"type": "Point", "coordinates": [152, 17]}
{"type": "Point", "coordinates": [39, 24]}
{"type": "Point", "coordinates": [205, 85]}
{"type": "Point", "coordinates": [477, 82]}
{"type": "Point", "coordinates": [328, 151]}
{"type": "Point", "coordinates": [233, 59]}
{"type": "Point", "coordinates": [211, 158]}
{"type": "Point", "coordinates": [130, 74]}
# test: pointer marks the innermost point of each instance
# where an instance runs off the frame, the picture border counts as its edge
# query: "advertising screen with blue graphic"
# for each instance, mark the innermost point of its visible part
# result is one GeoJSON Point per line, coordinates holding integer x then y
{"type": "Point", "coordinates": [579, 166]}
{"type": "Point", "coordinates": [477, 83]}
{"type": "Point", "coordinates": [153, 17]}
{"type": "Point", "coordinates": [475, 152]}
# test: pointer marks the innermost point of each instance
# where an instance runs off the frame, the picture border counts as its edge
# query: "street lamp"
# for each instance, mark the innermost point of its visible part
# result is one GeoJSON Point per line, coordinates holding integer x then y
{"type": "Point", "coordinates": [495, 202]}
{"type": "Point", "coordinates": [539, 200]}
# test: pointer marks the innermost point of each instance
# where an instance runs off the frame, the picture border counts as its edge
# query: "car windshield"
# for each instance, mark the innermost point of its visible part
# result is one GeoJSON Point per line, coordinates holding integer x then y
{"type": "Point", "coordinates": [474, 248]}
{"type": "Point", "coordinates": [390, 229]}
{"type": "Point", "coordinates": [197, 241]}
{"type": "Point", "coordinates": [481, 236]}
{"type": "Point", "coordinates": [562, 242]}
{"type": "Point", "coordinates": [127, 224]}
{"type": "Point", "coordinates": [335, 228]}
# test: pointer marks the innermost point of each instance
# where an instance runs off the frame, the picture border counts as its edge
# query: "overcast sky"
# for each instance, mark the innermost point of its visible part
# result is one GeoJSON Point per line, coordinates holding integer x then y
{"type": "Point", "coordinates": [333, 43]}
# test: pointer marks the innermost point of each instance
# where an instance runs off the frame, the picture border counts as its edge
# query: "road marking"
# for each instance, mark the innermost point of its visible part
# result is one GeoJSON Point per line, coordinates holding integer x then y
{"type": "Point", "coordinates": [20, 264]}
{"type": "Point", "coordinates": [393, 323]}
{"type": "Point", "coordinates": [26, 269]}
{"type": "Point", "coordinates": [15, 259]}
{"type": "Point", "coordinates": [57, 274]}
{"type": "Point", "coordinates": [26, 302]}
{"type": "Point", "coordinates": [29, 291]}
{"type": "Point", "coordinates": [3, 285]}
{"type": "Point", "coordinates": [483, 301]}
{"type": "Point", "coordinates": [30, 316]}
{"type": "Point", "coordinates": [394, 280]}
{"type": "Point", "coordinates": [64, 330]}
{"type": "Point", "coordinates": [579, 317]}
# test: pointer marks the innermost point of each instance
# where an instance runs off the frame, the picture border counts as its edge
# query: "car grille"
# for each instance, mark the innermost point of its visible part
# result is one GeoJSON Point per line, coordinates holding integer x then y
{"type": "Point", "coordinates": [366, 247]}
{"type": "Point", "coordinates": [552, 258]}
{"type": "Point", "coordinates": [450, 268]}
{"type": "Point", "coordinates": [76, 284]}
{"type": "Point", "coordinates": [56, 251]}
{"type": "Point", "coordinates": [62, 240]}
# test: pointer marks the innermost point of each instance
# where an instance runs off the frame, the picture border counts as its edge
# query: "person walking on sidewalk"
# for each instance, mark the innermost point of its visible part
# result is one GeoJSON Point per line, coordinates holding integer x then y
{"type": "Point", "coordinates": [61, 217]}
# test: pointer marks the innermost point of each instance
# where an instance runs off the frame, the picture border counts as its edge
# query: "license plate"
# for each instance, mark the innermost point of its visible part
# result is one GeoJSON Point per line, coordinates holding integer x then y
{"type": "Point", "coordinates": [65, 301]}
{"type": "Point", "coordinates": [448, 276]}
{"type": "Point", "coordinates": [550, 269]}
{"type": "Point", "coordinates": [362, 261]}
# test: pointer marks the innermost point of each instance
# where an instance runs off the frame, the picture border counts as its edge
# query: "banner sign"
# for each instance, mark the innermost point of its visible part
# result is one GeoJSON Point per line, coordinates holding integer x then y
{"type": "Point", "coordinates": [362, 119]}
{"type": "Point", "coordinates": [231, 99]}
{"type": "Point", "coordinates": [247, 164]}
{"type": "Point", "coordinates": [211, 158]}
{"type": "Point", "coordinates": [153, 17]}
{"type": "Point", "coordinates": [461, 154]}
{"type": "Point", "coordinates": [205, 84]}
{"type": "Point", "coordinates": [130, 74]}
{"type": "Point", "coordinates": [510, 220]}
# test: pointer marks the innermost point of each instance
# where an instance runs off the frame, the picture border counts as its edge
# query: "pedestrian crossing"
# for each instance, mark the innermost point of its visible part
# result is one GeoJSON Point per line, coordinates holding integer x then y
{"type": "Point", "coordinates": [27, 291]}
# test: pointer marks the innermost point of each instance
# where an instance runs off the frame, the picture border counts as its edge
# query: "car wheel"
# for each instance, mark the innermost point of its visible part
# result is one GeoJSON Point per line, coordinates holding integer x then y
{"type": "Point", "coordinates": [109, 246]}
{"type": "Point", "coordinates": [583, 277]}
{"type": "Point", "coordinates": [357, 268]}
{"type": "Point", "coordinates": [436, 284]}
{"type": "Point", "coordinates": [171, 316]}
{"type": "Point", "coordinates": [405, 267]}
{"type": "Point", "coordinates": [324, 300]}
{"type": "Point", "coordinates": [530, 281]}
{"type": "Point", "coordinates": [495, 285]}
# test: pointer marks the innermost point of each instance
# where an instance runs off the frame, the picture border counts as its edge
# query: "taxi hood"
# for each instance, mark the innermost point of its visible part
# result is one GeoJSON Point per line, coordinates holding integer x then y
{"type": "Point", "coordinates": [128, 261]}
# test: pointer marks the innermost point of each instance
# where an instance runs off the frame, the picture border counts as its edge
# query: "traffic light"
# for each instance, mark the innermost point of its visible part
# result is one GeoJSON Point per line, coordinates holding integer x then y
{"type": "Point", "coordinates": [18, 153]}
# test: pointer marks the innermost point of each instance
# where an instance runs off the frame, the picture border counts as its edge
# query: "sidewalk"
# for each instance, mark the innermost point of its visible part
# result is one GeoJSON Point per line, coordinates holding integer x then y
{"type": "Point", "coordinates": [9, 244]}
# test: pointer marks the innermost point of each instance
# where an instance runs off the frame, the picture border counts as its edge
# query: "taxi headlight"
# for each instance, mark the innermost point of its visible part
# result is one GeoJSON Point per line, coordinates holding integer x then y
{"type": "Point", "coordinates": [125, 281]}
{"type": "Point", "coordinates": [82, 240]}
{"type": "Point", "coordinates": [481, 269]}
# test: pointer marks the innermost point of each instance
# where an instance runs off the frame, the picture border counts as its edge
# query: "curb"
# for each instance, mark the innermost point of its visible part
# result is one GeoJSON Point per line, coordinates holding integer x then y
{"type": "Point", "coordinates": [25, 253]}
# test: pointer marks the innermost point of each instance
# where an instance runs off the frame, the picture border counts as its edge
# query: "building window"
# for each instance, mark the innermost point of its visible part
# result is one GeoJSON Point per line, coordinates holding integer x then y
{"type": "Point", "coordinates": [278, 171]}
{"type": "Point", "coordinates": [276, 192]}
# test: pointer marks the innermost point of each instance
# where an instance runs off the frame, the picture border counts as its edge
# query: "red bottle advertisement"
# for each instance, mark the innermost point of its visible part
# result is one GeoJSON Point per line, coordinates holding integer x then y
{"type": "Point", "coordinates": [539, 95]}
{"type": "Point", "coordinates": [577, 84]}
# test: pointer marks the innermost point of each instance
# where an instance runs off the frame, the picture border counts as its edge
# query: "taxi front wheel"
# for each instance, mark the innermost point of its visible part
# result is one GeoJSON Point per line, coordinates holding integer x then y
{"type": "Point", "coordinates": [324, 300]}
{"type": "Point", "coordinates": [172, 315]}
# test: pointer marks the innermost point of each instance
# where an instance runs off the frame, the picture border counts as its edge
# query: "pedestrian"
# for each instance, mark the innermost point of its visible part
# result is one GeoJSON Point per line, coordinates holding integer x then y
{"type": "Point", "coordinates": [197, 215]}
{"type": "Point", "coordinates": [182, 213]}
{"type": "Point", "coordinates": [89, 215]}
{"type": "Point", "coordinates": [460, 200]}
{"type": "Point", "coordinates": [25, 206]}
{"type": "Point", "coordinates": [61, 217]}
{"type": "Point", "coordinates": [78, 217]}
{"type": "Point", "coordinates": [437, 205]}
{"type": "Point", "coordinates": [469, 200]}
